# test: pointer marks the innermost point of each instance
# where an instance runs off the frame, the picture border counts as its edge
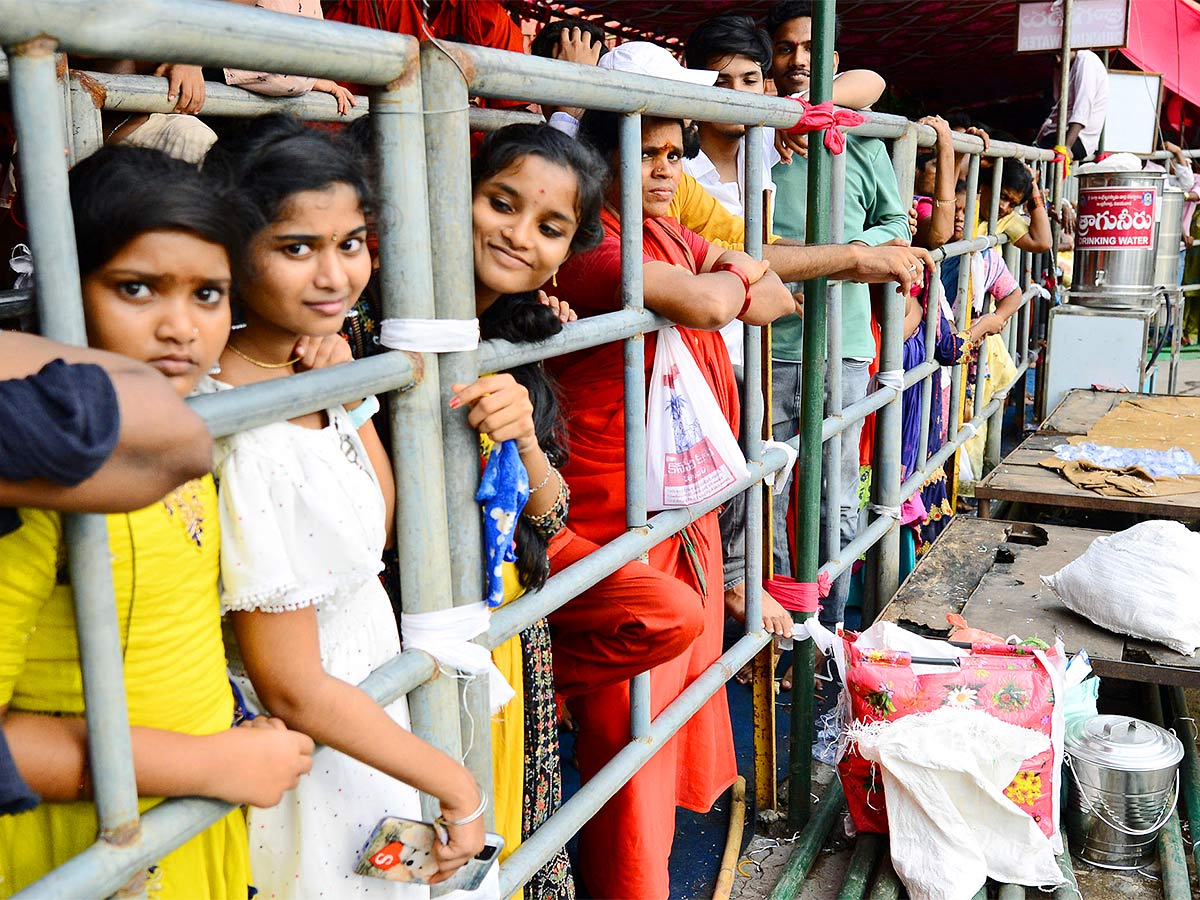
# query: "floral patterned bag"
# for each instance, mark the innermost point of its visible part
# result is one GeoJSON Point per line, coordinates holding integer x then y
{"type": "Point", "coordinates": [1010, 682]}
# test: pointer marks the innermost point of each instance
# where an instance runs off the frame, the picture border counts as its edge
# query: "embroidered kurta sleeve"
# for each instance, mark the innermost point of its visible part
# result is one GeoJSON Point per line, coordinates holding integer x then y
{"type": "Point", "coordinates": [278, 549]}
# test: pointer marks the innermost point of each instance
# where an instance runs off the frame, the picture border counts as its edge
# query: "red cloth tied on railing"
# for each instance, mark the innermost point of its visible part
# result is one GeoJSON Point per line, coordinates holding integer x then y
{"type": "Point", "coordinates": [798, 596]}
{"type": "Point", "coordinates": [816, 116]}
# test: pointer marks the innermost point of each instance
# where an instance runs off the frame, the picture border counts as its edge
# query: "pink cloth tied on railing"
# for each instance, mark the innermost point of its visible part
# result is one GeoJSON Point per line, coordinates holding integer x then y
{"type": "Point", "coordinates": [816, 116]}
{"type": "Point", "coordinates": [798, 596]}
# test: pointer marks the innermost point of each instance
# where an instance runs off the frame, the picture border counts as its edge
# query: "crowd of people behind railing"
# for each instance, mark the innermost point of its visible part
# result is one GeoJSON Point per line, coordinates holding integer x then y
{"type": "Point", "coordinates": [264, 556]}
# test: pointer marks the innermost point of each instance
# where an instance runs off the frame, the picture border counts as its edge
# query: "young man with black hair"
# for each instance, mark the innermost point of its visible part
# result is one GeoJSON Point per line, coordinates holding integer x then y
{"type": "Point", "coordinates": [740, 53]}
{"type": "Point", "coordinates": [874, 215]}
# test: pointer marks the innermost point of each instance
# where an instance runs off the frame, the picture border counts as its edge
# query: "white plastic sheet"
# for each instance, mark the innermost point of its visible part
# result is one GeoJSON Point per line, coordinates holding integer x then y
{"type": "Point", "coordinates": [951, 826]}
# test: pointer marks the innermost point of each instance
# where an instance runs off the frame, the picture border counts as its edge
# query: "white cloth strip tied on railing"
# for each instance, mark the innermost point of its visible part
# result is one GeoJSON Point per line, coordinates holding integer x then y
{"type": "Point", "coordinates": [430, 335]}
{"type": "Point", "coordinates": [893, 378]}
{"type": "Point", "coordinates": [447, 635]}
{"type": "Point", "coordinates": [778, 480]}
{"type": "Point", "coordinates": [891, 512]}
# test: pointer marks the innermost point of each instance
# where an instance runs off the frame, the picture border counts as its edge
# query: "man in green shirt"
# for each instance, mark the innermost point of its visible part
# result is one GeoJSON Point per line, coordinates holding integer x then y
{"type": "Point", "coordinates": [874, 215]}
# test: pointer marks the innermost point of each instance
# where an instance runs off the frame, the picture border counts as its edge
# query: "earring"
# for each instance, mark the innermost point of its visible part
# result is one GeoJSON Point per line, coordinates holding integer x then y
{"type": "Point", "coordinates": [554, 278]}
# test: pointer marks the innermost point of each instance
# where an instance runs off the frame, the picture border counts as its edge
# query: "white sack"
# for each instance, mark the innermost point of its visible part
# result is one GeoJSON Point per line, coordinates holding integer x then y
{"type": "Point", "coordinates": [1141, 582]}
{"type": "Point", "coordinates": [951, 826]}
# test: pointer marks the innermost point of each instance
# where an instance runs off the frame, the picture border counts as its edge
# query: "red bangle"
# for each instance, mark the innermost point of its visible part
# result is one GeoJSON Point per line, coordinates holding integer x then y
{"type": "Point", "coordinates": [732, 267]}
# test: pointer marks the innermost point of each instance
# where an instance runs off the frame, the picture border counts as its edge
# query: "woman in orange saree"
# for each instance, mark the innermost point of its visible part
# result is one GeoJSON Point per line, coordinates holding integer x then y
{"type": "Point", "coordinates": [624, 849]}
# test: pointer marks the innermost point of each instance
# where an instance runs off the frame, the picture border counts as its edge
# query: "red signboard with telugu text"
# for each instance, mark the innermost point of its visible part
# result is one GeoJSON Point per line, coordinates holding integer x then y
{"type": "Point", "coordinates": [1116, 218]}
{"type": "Point", "coordinates": [1094, 24]}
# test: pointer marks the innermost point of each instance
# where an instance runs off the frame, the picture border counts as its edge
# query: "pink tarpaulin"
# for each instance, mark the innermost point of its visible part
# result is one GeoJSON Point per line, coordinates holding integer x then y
{"type": "Point", "coordinates": [1160, 32]}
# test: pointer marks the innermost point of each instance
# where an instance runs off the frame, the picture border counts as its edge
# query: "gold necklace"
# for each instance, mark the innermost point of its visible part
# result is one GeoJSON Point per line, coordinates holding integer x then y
{"type": "Point", "coordinates": [260, 363]}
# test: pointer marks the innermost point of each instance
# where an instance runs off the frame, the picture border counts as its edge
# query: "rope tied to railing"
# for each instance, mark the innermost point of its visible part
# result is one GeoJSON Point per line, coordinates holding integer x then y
{"type": "Point", "coordinates": [890, 512]}
{"type": "Point", "coordinates": [1063, 156]}
{"type": "Point", "coordinates": [448, 636]}
{"type": "Point", "coordinates": [778, 480]}
{"type": "Point", "coordinates": [798, 596]}
{"type": "Point", "coordinates": [892, 378]}
{"type": "Point", "coordinates": [430, 335]}
{"type": "Point", "coordinates": [815, 116]}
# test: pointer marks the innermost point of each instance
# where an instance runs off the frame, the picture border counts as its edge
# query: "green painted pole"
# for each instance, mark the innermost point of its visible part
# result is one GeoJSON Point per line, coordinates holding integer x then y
{"type": "Point", "coordinates": [1189, 768]}
{"type": "Point", "coordinates": [806, 848]}
{"type": "Point", "coordinates": [812, 411]}
{"type": "Point", "coordinates": [981, 894]}
{"type": "Point", "coordinates": [867, 850]}
{"type": "Point", "coordinates": [1172, 861]}
{"type": "Point", "coordinates": [887, 884]}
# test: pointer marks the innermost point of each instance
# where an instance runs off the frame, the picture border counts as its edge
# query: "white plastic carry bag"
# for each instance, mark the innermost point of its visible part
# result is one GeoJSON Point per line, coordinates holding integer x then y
{"type": "Point", "coordinates": [691, 453]}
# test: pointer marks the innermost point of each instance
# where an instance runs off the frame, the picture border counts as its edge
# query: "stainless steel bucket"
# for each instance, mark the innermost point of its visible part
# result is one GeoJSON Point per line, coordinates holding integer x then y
{"type": "Point", "coordinates": [1116, 239]}
{"type": "Point", "coordinates": [1123, 786]}
{"type": "Point", "coordinates": [1170, 234]}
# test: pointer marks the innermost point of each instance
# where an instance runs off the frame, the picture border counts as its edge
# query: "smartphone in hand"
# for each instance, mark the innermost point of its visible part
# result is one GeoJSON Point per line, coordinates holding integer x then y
{"type": "Point", "coordinates": [402, 850]}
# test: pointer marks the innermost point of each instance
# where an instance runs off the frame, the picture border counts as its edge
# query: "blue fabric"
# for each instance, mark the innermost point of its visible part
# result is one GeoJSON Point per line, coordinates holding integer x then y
{"type": "Point", "coordinates": [15, 795]}
{"type": "Point", "coordinates": [950, 279]}
{"type": "Point", "coordinates": [503, 491]}
{"type": "Point", "coordinates": [61, 424]}
{"type": "Point", "coordinates": [1159, 463]}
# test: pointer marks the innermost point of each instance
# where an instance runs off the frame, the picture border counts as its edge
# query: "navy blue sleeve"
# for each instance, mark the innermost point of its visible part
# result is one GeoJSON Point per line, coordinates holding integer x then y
{"type": "Point", "coordinates": [15, 795]}
{"type": "Point", "coordinates": [61, 424]}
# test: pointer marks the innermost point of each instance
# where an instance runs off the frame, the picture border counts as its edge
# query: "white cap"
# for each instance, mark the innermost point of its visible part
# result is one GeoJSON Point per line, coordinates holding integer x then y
{"type": "Point", "coordinates": [644, 58]}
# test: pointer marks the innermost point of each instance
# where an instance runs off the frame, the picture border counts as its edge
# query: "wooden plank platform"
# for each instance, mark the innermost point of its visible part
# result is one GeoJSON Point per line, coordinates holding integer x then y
{"type": "Point", "coordinates": [960, 574]}
{"type": "Point", "coordinates": [1020, 478]}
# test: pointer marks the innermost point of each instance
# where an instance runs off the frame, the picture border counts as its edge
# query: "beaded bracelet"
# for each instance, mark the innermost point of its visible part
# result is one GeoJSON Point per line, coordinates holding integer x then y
{"type": "Point", "coordinates": [553, 520]}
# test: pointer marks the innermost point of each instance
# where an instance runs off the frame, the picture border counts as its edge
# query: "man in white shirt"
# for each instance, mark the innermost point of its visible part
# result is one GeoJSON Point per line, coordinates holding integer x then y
{"type": "Point", "coordinates": [740, 53]}
{"type": "Point", "coordinates": [1087, 105]}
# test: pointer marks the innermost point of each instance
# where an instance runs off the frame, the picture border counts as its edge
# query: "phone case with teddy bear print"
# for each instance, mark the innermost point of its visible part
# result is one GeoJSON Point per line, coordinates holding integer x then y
{"type": "Point", "coordinates": [402, 850]}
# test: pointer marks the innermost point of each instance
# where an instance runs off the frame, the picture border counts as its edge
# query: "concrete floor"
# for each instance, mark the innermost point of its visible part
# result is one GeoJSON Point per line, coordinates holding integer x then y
{"type": "Point", "coordinates": [825, 880]}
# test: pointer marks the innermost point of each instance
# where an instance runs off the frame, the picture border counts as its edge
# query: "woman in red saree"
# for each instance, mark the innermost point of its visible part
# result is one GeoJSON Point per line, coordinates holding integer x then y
{"type": "Point", "coordinates": [624, 849]}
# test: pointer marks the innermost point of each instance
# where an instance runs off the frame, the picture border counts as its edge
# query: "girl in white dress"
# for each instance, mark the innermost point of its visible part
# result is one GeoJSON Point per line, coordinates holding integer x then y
{"type": "Point", "coordinates": [306, 506]}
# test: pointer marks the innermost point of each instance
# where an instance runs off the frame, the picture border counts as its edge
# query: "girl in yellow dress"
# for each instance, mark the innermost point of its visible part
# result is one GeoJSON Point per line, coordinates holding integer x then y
{"type": "Point", "coordinates": [155, 241]}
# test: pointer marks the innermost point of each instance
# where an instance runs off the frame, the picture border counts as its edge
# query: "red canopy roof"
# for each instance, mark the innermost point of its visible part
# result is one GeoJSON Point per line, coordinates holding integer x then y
{"type": "Point", "coordinates": [1159, 32]}
{"type": "Point", "coordinates": [936, 54]}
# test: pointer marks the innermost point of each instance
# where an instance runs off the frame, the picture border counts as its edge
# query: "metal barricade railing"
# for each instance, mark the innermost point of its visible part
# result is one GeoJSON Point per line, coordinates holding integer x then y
{"type": "Point", "coordinates": [421, 119]}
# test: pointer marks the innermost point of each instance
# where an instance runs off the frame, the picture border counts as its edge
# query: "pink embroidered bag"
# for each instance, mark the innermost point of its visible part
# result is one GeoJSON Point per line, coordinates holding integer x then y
{"type": "Point", "coordinates": [1001, 680]}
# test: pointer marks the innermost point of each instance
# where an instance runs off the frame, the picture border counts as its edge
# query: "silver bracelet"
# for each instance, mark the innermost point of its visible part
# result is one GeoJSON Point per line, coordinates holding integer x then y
{"type": "Point", "coordinates": [549, 469]}
{"type": "Point", "coordinates": [469, 819]}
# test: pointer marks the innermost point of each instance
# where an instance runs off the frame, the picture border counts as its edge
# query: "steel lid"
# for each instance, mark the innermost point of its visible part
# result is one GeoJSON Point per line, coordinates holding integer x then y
{"type": "Point", "coordinates": [1124, 743]}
